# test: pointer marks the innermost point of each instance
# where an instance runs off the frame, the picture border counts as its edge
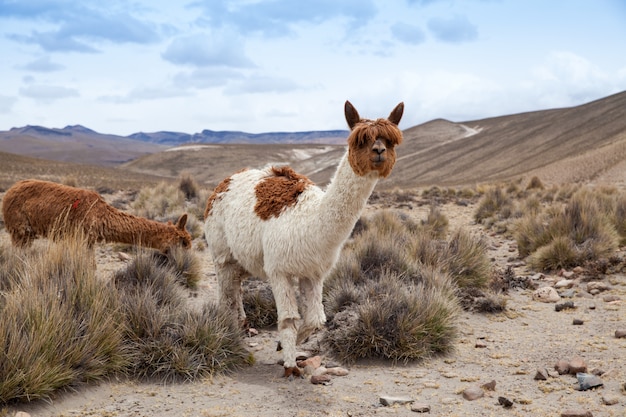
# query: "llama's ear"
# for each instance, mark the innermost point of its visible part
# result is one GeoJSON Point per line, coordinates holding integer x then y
{"type": "Point", "coordinates": [182, 221]}
{"type": "Point", "coordinates": [396, 114]}
{"type": "Point", "coordinates": [352, 116]}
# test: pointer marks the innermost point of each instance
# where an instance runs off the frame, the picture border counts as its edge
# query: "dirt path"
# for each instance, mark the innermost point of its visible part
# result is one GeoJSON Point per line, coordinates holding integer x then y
{"type": "Point", "coordinates": [506, 348]}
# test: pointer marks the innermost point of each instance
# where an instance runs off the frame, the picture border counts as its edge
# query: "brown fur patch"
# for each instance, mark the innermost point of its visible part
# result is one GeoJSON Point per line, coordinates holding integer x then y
{"type": "Point", "coordinates": [275, 193]}
{"type": "Point", "coordinates": [362, 138]}
{"type": "Point", "coordinates": [222, 187]}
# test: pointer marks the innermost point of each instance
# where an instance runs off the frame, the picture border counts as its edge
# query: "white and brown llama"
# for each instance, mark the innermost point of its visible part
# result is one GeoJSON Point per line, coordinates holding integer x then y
{"type": "Point", "coordinates": [34, 208]}
{"type": "Point", "coordinates": [277, 225]}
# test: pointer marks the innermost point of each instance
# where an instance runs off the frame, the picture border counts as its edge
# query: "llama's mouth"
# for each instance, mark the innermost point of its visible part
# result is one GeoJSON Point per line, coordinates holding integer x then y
{"type": "Point", "coordinates": [378, 159]}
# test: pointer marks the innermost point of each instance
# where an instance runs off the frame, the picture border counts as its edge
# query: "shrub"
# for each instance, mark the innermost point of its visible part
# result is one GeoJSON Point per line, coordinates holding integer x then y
{"type": "Point", "coordinates": [61, 326]}
{"type": "Point", "coordinates": [436, 222]}
{"type": "Point", "coordinates": [535, 183]}
{"type": "Point", "coordinates": [166, 339]}
{"type": "Point", "coordinates": [491, 203]}
{"type": "Point", "coordinates": [188, 186]}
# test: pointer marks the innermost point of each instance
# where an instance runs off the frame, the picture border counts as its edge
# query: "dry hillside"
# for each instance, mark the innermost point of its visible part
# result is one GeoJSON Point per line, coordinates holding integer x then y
{"type": "Point", "coordinates": [584, 143]}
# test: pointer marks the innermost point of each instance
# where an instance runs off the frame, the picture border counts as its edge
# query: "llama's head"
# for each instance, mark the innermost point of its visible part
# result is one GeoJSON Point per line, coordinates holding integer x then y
{"type": "Point", "coordinates": [178, 236]}
{"type": "Point", "coordinates": [371, 144]}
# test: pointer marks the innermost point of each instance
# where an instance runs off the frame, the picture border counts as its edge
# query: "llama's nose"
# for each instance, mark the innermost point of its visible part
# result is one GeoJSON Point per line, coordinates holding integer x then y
{"type": "Point", "coordinates": [379, 147]}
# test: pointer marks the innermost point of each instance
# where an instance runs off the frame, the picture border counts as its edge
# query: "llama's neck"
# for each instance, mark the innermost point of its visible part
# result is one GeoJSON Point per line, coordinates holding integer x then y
{"type": "Point", "coordinates": [344, 200]}
{"type": "Point", "coordinates": [122, 227]}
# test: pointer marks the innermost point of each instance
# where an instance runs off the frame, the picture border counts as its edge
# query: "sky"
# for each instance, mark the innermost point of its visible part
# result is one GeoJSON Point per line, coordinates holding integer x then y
{"type": "Point", "coordinates": [122, 67]}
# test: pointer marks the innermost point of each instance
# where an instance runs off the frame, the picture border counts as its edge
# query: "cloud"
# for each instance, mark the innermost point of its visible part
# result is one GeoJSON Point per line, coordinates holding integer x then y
{"type": "Point", "coordinates": [43, 64]}
{"type": "Point", "coordinates": [145, 94]}
{"type": "Point", "coordinates": [78, 26]}
{"type": "Point", "coordinates": [223, 48]}
{"type": "Point", "coordinates": [47, 93]}
{"type": "Point", "coordinates": [456, 29]}
{"type": "Point", "coordinates": [206, 78]}
{"type": "Point", "coordinates": [279, 17]}
{"type": "Point", "coordinates": [262, 84]}
{"type": "Point", "coordinates": [6, 104]}
{"type": "Point", "coordinates": [408, 33]}
{"type": "Point", "coordinates": [567, 79]}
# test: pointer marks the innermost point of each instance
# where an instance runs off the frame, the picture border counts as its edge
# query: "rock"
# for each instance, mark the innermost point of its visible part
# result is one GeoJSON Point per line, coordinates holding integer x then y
{"type": "Point", "coordinates": [124, 256]}
{"type": "Point", "coordinates": [564, 306]}
{"type": "Point", "coordinates": [609, 400]}
{"type": "Point", "coordinates": [541, 375]}
{"type": "Point", "coordinates": [252, 332]}
{"type": "Point", "coordinates": [610, 298]}
{"type": "Point", "coordinates": [562, 367]}
{"type": "Point", "coordinates": [588, 381]}
{"type": "Point", "coordinates": [420, 408]}
{"type": "Point", "coordinates": [597, 286]}
{"type": "Point", "coordinates": [391, 401]}
{"type": "Point", "coordinates": [577, 322]}
{"type": "Point", "coordinates": [546, 295]}
{"type": "Point", "coordinates": [337, 371]}
{"type": "Point", "coordinates": [489, 386]}
{"type": "Point", "coordinates": [480, 344]}
{"type": "Point", "coordinates": [576, 365]}
{"type": "Point", "coordinates": [314, 362]}
{"type": "Point", "coordinates": [578, 270]}
{"type": "Point", "coordinates": [576, 413]}
{"type": "Point", "coordinates": [564, 283]}
{"type": "Point", "coordinates": [21, 414]}
{"type": "Point", "coordinates": [620, 333]}
{"type": "Point", "coordinates": [505, 402]}
{"type": "Point", "coordinates": [320, 379]}
{"type": "Point", "coordinates": [473, 393]}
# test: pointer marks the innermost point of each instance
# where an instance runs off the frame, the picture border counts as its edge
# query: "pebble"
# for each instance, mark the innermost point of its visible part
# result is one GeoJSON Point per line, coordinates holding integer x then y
{"type": "Point", "coordinates": [609, 400]}
{"type": "Point", "coordinates": [577, 322]}
{"type": "Point", "coordinates": [564, 283]}
{"type": "Point", "coordinates": [480, 344]}
{"type": "Point", "coordinates": [576, 413]}
{"type": "Point", "coordinates": [562, 367]}
{"type": "Point", "coordinates": [564, 306]}
{"type": "Point", "coordinates": [388, 401]}
{"type": "Point", "coordinates": [505, 402]}
{"type": "Point", "coordinates": [546, 295]}
{"type": "Point", "coordinates": [588, 381]}
{"type": "Point", "coordinates": [597, 286]}
{"type": "Point", "coordinates": [22, 414]}
{"type": "Point", "coordinates": [541, 375]}
{"type": "Point", "coordinates": [489, 386]}
{"type": "Point", "coordinates": [473, 393]}
{"type": "Point", "coordinates": [620, 333]}
{"type": "Point", "coordinates": [610, 298]}
{"type": "Point", "coordinates": [577, 365]}
{"type": "Point", "coordinates": [337, 371]}
{"type": "Point", "coordinates": [320, 379]}
{"type": "Point", "coordinates": [420, 408]}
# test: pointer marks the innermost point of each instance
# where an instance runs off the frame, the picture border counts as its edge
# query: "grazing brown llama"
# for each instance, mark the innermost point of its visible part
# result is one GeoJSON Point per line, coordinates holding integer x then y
{"type": "Point", "coordinates": [277, 225]}
{"type": "Point", "coordinates": [33, 208]}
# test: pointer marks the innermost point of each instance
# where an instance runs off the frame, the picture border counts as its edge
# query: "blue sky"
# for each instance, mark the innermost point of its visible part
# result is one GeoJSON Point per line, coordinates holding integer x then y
{"type": "Point", "coordinates": [286, 65]}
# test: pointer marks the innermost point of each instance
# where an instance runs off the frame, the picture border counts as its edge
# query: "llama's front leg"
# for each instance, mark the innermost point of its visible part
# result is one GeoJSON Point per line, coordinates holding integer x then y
{"type": "Point", "coordinates": [229, 277]}
{"type": "Point", "coordinates": [287, 309]}
{"type": "Point", "coordinates": [313, 309]}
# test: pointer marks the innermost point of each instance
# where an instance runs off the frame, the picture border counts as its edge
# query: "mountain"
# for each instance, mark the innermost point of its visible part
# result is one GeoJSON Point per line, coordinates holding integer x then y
{"type": "Point", "coordinates": [235, 137]}
{"type": "Point", "coordinates": [74, 144]}
{"type": "Point", "coordinates": [585, 143]}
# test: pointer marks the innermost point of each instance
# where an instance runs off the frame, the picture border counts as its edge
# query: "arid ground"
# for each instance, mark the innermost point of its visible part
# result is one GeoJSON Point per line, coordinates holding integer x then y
{"type": "Point", "coordinates": [508, 348]}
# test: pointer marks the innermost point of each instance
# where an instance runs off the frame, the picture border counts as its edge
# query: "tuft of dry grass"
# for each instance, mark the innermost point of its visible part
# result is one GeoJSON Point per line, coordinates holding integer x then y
{"type": "Point", "coordinates": [61, 325]}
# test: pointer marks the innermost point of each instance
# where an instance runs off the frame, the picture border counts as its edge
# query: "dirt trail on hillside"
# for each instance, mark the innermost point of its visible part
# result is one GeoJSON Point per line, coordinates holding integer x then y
{"type": "Point", "coordinates": [507, 348]}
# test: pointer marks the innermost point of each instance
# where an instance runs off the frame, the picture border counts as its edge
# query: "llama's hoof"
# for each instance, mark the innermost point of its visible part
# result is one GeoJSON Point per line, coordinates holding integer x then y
{"type": "Point", "coordinates": [292, 372]}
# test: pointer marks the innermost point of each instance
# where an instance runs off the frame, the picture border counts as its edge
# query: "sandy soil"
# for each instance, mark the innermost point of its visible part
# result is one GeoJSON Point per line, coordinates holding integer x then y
{"type": "Point", "coordinates": [507, 348]}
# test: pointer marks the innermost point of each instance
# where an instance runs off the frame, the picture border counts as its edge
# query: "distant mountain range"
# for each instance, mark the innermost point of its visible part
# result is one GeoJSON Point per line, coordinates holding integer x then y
{"type": "Point", "coordinates": [80, 144]}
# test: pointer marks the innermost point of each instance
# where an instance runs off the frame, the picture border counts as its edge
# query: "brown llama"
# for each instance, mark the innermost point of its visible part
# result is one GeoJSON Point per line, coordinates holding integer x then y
{"type": "Point", "coordinates": [33, 208]}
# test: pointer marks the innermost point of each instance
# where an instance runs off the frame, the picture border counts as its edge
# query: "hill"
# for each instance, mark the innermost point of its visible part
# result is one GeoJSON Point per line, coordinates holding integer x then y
{"type": "Point", "coordinates": [585, 143]}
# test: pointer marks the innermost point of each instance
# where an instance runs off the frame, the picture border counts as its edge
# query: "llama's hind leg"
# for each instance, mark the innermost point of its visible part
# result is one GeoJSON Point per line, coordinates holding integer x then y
{"type": "Point", "coordinates": [287, 309]}
{"type": "Point", "coordinates": [312, 308]}
{"type": "Point", "coordinates": [229, 277]}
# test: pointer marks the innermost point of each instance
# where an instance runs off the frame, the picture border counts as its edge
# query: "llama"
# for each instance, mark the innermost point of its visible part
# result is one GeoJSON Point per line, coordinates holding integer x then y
{"type": "Point", "coordinates": [33, 208]}
{"type": "Point", "coordinates": [277, 225]}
